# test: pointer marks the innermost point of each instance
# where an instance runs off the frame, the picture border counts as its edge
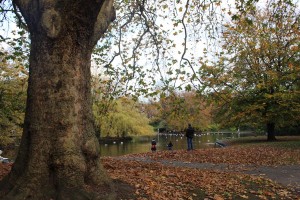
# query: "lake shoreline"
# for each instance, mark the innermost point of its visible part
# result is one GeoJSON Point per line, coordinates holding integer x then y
{"type": "Point", "coordinates": [111, 140]}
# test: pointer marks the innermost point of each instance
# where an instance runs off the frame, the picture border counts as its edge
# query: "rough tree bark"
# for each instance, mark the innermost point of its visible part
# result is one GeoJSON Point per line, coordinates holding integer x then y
{"type": "Point", "coordinates": [59, 153]}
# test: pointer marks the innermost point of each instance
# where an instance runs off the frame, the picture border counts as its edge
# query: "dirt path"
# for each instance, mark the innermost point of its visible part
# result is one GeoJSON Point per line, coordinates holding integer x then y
{"type": "Point", "coordinates": [285, 175]}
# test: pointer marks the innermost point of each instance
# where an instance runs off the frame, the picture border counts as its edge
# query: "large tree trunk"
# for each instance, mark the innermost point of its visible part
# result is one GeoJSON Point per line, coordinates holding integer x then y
{"type": "Point", "coordinates": [271, 131]}
{"type": "Point", "coordinates": [59, 153]}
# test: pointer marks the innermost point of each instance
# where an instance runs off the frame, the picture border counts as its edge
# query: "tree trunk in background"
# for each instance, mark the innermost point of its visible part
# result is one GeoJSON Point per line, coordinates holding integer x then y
{"type": "Point", "coordinates": [59, 152]}
{"type": "Point", "coordinates": [271, 131]}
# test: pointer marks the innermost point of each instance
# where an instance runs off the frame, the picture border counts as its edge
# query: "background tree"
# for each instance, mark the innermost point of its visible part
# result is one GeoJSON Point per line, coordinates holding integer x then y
{"type": "Point", "coordinates": [125, 118]}
{"type": "Point", "coordinates": [255, 82]}
{"type": "Point", "coordinates": [14, 52]}
{"type": "Point", "coordinates": [13, 86]}
{"type": "Point", "coordinates": [175, 111]}
{"type": "Point", "coordinates": [104, 93]}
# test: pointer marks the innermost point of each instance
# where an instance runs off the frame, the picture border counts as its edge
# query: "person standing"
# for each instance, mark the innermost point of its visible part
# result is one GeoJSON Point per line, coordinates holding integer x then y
{"type": "Point", "coordinates": [189, 135]}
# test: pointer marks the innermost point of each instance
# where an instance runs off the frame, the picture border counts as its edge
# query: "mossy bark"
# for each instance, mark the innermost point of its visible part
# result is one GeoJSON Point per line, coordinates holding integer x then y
{"type": "Point", "coordinates": [59, 153]}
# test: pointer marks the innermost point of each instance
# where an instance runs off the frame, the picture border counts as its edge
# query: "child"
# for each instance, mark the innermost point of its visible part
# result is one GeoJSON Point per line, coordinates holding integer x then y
{"type": "Point", "coordinates": [170, 145]}
{"type": "Point", "coordinates": [153, 145]}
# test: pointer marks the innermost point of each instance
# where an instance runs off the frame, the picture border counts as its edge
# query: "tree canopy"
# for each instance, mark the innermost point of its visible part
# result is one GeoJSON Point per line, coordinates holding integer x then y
{"type": "Point", "coordinates": [256, 81]}
{"type": "Point", "coordinates": [153, 48]}
{"type": "Point", "coordinates": [140, 53]}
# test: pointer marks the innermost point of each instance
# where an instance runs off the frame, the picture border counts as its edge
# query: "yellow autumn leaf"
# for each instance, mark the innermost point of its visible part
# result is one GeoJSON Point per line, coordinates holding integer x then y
{"type": "Point", "coordinates": [244, 196]}
{"type": "Point", "coordinates": [218, 197]}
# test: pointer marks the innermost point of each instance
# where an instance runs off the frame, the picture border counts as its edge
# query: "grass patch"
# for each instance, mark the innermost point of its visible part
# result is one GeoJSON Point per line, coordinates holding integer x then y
{"type": "Point", "coordinates": [292, 142]}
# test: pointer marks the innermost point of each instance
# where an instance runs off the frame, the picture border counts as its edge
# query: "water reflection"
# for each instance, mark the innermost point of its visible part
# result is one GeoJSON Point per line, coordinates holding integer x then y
{"type": "Point", "coordinates": [143, 144]}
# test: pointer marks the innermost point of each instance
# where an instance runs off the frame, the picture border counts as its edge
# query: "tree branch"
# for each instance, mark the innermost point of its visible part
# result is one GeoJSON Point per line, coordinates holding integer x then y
{"type": "Point", "coordinates": [106, 15]}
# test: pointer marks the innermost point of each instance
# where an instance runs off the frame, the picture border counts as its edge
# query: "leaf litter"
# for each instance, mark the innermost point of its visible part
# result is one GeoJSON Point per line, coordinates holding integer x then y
{"type": "Point", "coordinates": [154, 180]}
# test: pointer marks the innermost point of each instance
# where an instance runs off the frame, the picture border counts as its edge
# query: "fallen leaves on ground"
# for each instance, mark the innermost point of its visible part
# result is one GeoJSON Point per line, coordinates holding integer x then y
{"type": "Point", "coordinates": [156, 181]}
{"type": "Point", "coordinates": [4, 169]}
{"type": "Point", "coordinates": [246, 155]}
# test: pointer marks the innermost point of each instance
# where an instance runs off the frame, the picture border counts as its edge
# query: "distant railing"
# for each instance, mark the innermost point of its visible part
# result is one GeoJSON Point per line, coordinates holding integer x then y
{"type": "Point", "coordinates": [213, 132]}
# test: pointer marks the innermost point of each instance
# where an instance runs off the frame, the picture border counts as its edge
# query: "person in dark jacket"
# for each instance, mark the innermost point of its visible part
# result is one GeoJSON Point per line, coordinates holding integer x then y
{"type": "Point", "coordinates": [189, 135]}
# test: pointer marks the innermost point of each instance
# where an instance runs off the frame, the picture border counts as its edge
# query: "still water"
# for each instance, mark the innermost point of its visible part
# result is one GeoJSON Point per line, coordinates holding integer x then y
{"type": "Point", "coordinates": [143, 144]}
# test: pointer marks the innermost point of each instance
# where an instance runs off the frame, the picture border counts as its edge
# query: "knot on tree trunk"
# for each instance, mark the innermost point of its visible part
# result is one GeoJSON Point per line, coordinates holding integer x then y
{"type": "Point", "coordinates": [51, 22]}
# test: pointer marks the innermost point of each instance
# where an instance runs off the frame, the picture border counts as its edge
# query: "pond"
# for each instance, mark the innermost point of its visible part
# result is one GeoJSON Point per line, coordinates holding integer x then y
{"type": "Point", "coordinates": [143, 144]}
